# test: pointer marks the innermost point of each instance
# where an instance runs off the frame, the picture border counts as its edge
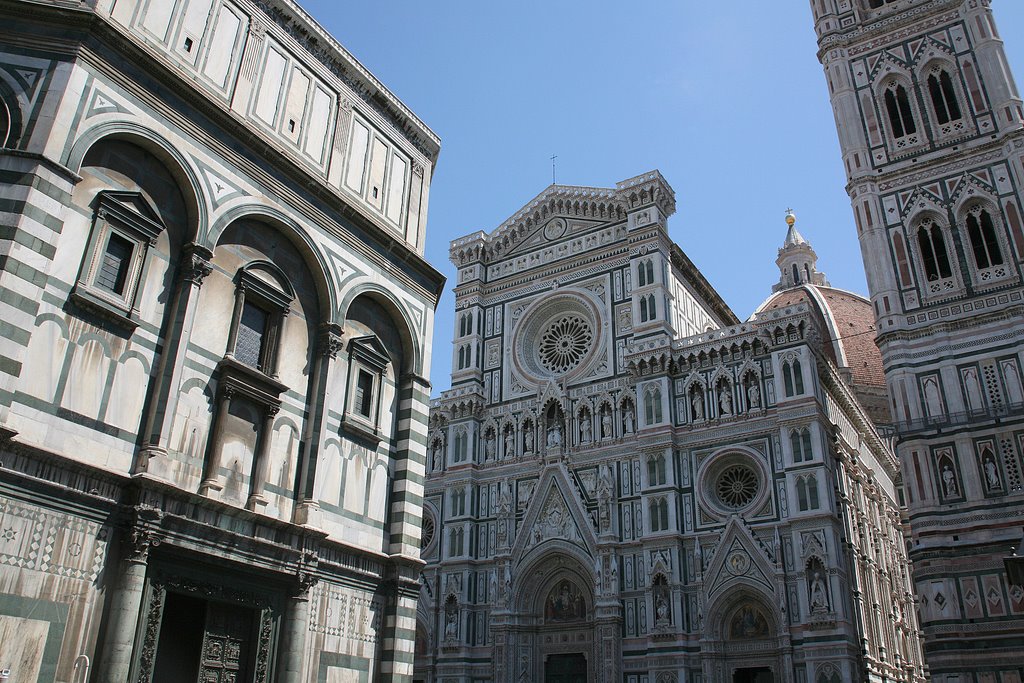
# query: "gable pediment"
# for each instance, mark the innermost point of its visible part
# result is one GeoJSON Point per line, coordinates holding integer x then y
{"type": "Point", "coordinates": [739, 558]}
{"type": "Point", "coordinates": [555, 514]}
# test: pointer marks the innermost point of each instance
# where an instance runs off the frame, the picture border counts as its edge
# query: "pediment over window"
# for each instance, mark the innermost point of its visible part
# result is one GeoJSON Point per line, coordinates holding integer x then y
{"type": "Point", "coordinates": [370, 351]}
{"type": "Point", "coordinates": [131, 210]}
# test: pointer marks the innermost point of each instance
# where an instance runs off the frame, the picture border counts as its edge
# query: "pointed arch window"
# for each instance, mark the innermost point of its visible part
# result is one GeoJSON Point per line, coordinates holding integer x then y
{"type": "Point", "coordinates": [984, 242]}
{"type": "Point", "coordinates": [934, 257]}
{"type": "Point", "coordinates": [807, 492]}
{"type": "Point", "coordinates": [793, 377]}
{"type": "Point", "coordinates": [657, 473]}
{"type": "Point", "coordinates": [800, 442]}
{"type": "Point", "coordinates": [648, 308]}
{"type": "Point", "coordinates": [659, 514]}
{"type": "Point", "coordinates": [460, 446]}
{"type": "Point", "coordinates": [645, 273]}
{"type": "Point", "coordinates": [652, 406]}
{"type": "Point", "coordinates": [796, 275]}
{"type": "Point", "coordinates": [943, 96]}
{"type": "Point", "coordinates": [897, 106]}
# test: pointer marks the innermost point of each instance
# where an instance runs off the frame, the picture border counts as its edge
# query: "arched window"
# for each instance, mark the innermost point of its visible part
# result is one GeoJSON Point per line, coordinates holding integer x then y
{"type": "Point", "coordinates": [796, 275]}
{"type": "Point", "coordinates": [793, 378]}
{"type": "Point", "coordinates": [461, 446]}
{"type": "Point", "coordinates": [656, 470]}
{"type": "Point", "coordinates": [940, 87]}
{"type": "Point", "coordinates": [984, 243]}
{"type": "Point", "coordinates": [645, 273]}
{"type": "Point", "coordinates": [659, 514]}
{"type": "Point", "coordinates": [456, 542]}
{"type": "Point", "coordinates": [807, 492]}
{"type": "Point", "coordinates": [652, 406]}
{"type": "Point", "coordinates": [462, 357]}
{"type": "Point", "coordinates": [897, 106]}
{"type": "Point", "coordinates": [800, 441]}
{"type": "Point", "coordinates": [648, 309]}
{"type": "Point", "coordinates": [934, 257]}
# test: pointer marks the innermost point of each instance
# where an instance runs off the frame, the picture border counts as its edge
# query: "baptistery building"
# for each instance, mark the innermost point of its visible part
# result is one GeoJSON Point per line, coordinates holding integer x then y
{"type": "Point", "coordinates": [628, 483]}
{"type": "Point", "coordinates": [214, 335]}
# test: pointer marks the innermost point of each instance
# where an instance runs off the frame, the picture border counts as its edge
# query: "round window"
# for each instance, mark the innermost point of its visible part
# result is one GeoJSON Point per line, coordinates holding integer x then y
{"type": "Point", "coordinates": [736, 486]}
{"type": "Point", "coordinates": [565, 343]}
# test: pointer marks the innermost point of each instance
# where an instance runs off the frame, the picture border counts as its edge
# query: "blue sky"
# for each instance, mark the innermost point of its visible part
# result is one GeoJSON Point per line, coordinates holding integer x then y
{"type": "Point", "coordinates": [731, 107]}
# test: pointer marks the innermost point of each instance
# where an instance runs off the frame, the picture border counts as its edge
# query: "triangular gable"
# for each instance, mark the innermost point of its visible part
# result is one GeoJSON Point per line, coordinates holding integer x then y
{"type": "Point", "coordinates": [739, 558]}
{"type": "Point", "coordinates": [928, 48]}
{"type": "Point", "coordinates": [555, 514]}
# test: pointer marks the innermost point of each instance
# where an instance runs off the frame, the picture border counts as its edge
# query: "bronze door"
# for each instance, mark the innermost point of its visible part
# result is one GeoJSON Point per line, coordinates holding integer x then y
{"type": "Point", "coordinates": [226, 644]}
{"type": "Point", "coordinates": [565, 669]}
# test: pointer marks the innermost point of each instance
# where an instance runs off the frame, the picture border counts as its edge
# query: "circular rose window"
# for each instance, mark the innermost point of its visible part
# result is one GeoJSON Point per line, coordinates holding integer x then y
{"type": "Point", "coordinates": [736, 486]}
{"type": "Point", "coordinates": [564, 343]}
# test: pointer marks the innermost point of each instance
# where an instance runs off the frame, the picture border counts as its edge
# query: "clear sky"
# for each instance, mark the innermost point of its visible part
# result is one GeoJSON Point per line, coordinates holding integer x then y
{"type": "Point", "coordinates": [727, 100]}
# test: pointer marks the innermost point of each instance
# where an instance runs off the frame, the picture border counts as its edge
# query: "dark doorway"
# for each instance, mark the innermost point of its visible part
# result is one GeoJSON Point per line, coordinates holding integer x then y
{"type": "Point", "coordinates": [565, 669]}
{"type": "Point", "coordinates": [203, 640]}
{"type": "Point", "coordinates": [761, 674]}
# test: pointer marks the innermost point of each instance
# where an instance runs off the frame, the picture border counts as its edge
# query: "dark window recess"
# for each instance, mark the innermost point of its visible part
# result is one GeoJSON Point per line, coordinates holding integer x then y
{"type": "Point", "coordinates": [252, 329]}
{"type": "Point", "coordinates": [901, 118]}
{"type": "Point", "coordinates": [943, 97]}
{"type": "Point", "coordinates": [375, 192]}
{"type": "Point", "coordinates": [113, 272]}
{"type": "Point", "coordinates": [933, 253]}
{"type": "Point", "coordinates": [291, 125]}
{"type": "Point", "coordinates": [188, 45]}
{"type": "Point", "coordinates": [983, 241]}
{"type": "Point", "coordinates": [364, 393]}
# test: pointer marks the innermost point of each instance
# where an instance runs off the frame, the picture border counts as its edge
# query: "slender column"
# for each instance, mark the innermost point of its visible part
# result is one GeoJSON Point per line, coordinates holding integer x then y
{"type": "Point", "coordinates": [164, 390]}
{"type": "Point", "coordinates": [328, 346]}
{"type": "Point", "coordinates": [216, 444]}
{"type": "Point", "coordinates": [261, 466]}
{"type": "Point", "coordinates": [126, 605]}
{"type": "Point", "coordinates": [293, 633]}
{"type": "Point", "coordinates": [236, 317]}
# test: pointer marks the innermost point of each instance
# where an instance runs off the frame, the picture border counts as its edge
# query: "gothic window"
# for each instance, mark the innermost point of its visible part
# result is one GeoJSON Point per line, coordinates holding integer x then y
{"type": "Point", "coordinates": [657, 471]}
{"type": "Point", "coordinates": [648, 308]}
{"type": "Point", "coordinates": [793, 377]}
{"type": "Point", "coordinates": [465, 324]}
{"type": "Point", "coordinates": [897, 106]}
{"type": "Point", "coordinates": [796, 275]}
{"type": "Point", "coordinates": [984, 242]}
{"type": "Point", "coordinates": [807, 492]}
{"type": "Point", "coordinates": [659, 514]}
{"type": "Point", "coordinates": [456, 542]}
{"type": "Point", "coordinates": [458, 502]}
{"type": "Point", "coordinates": [461, 446]}
{"type": "Point", "coordinates": [736, 486]}
{"type": "Point", "coordinates": [125, 225]}
{"type": "Point", "coordinates": [645, 273]}
{"type": "Point", "coordinates": [800, 441]}
{"type": "Point", "coordinates": [934, 257]}
{"type": "Point", "coordinates": [943, 96]}
{"type": "Point", "coordinates": [652, 406]}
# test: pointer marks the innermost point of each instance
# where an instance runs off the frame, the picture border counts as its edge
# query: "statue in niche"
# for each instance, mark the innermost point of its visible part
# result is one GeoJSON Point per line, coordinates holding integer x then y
{"type": "Point", "coordinates": [698, 405]}
{"type": "Point", "coordinates": [628, 419]}
{"type": "Point", "coordinates": [492, 588]}
{"type": "Point", "coordinates": [565, 603]}
{"type": "Point", "coordinates": [451, 619]}
{"type": "Point", "coordinates": [819, 598]}
{"type": "Point", "coordinates": [606, 422]}
{"type": "Point", "coordinates": [753, 395]}
{"type": "Point", "coordinates": [528, 438]}
{"type": "Point", "coordinates": [505, 499]}
{"type": "Point", "coordinates": [725, 401]}
{"type": "Point", "coordinates": [748, 622]}
{"type": "Point", "coordinates": [435, 456]}
{"type": "Point", "coordinates": [949, 483]}
{"type": "Point", "coordinates": [586, 430]}
{"type": "Point", "coordinates": [988, 463]}
{"type": "Point", "coordinates": [510, 443]}
{"type": "Point", "coordinates": [555, 435]}
{"type": "Point", "coordinates": [489, 442]}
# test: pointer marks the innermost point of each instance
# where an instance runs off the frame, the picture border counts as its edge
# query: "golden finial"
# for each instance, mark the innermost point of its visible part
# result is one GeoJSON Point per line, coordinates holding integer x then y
{"type": "Point", "coordinates": [790, 217]}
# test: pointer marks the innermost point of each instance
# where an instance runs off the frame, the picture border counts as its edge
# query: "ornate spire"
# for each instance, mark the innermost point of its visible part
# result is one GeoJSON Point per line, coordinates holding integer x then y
{"type": "Point", "coordinates": [797, 261]}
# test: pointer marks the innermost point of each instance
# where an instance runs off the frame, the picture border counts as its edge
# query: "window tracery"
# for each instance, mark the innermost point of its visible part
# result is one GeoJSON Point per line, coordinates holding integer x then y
{"type": "Point", "coordinates": [565, 343]}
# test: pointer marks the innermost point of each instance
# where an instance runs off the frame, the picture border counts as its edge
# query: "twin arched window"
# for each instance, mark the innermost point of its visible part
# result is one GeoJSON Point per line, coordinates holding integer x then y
{"type": "Point", "coordinates": [657, 473]}
{"type": "Point", "coordinates": [648, 308]}
{"type": "Point", "coordinates": [652, 406]}
{"type": "Point", "coordinates": [793, 377]}
{"type": "Point", "coordinates": [934, 257]}
{"type": "Point", "coordinates": [897, 106]}
{"type": "Point", "coordinates": [943, 96]}
{"type": "Point", "coordinates": [659, 514]}
{"type": "Point", "coordinates": [461, 445]}
{"type": "Point", "coordinates": [800, 441]}
{"type": "Point", "coordinates": [984, 242]}
{"type": "Point", "coordinates": [465, 324]}
{"type": "Point", "coordinates": [807, 492]}
{"type": "Point", "coordinates": [645, 273]}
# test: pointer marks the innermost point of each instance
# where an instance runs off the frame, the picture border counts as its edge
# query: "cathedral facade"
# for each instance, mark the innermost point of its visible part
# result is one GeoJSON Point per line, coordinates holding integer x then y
{"type": "Point", "coordinates": [931, 128]}
{"type": "Point", "coordinates": [626, 483]}
{"type": "Point", "coordinates": [215, 323]}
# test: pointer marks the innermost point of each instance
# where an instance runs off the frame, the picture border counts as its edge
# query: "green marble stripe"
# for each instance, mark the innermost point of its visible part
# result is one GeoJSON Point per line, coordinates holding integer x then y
{"type": "Point", "coordinates": [22, 271]}
{"type": "Point", "coordinates": [406, 475]}
{"type": "Point", "coordinates": [10, 232]}
{"type": "Point", "coordinates": [20, 207]}
{"type": "Point", "coordinates": [34, 181]}
{"type": "Point", "coordinates": [19, 301]}
{"type": "Point", "coordinates": [9, 366]}
{"type": "Point", "coordinates": [14, 333]}
{"type": "Point", "coordinates": [404, 539]}
{"type": "Point", "coordinates": [406, 497]}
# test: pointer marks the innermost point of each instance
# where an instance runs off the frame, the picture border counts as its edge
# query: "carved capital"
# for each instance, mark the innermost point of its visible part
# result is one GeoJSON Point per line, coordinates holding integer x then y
{"type": "Point", "coordinates": [143, 534]}
{"type": "Point", "coordinates": [331, 340]}
{"type": "Point", "coordinates": [195, 265]}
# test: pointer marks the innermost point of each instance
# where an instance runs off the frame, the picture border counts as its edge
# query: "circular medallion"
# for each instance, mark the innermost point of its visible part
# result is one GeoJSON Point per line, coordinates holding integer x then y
{"type": "Point", "coordinates": [554, 229]}
{"type": "Point", "coordinates": [565, 343]}
{"type": "Point", "coordinates": [736, 486]}
{"type": "Point", "coordinates": [737, 563]}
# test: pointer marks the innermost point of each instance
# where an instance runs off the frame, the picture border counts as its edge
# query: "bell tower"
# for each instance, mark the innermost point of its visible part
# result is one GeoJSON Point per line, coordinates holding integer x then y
{"type": "Point", "coordinates": [929, 122]}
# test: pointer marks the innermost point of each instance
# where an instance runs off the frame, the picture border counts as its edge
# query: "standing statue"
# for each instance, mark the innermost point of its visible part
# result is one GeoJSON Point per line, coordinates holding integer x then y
{"type": "Point", "coordinates": [555, 435]}
{"type": "Point", "coordinates": [725, 401]}
{"type": "Point", "coordinates": [528, 439]}
{"type": "Point", "coordinates": [606, 423]}
{"type": "Point", "coordinates": [819, 601]}
{"type": "Point", "coordinates": [585, 429]}
{"type": "Point", "coordinates": [510, 443]}
{"type": "Point", "coordinates": [753, 395]}
{"type": "Point", "coordinates": [949, 481]}
{"type": "Point", "coordinates": [489, 445]}
{"type": "Point", "coordinates": [628, 420]}
{"type": "Point", "coordinates": [698, 406]}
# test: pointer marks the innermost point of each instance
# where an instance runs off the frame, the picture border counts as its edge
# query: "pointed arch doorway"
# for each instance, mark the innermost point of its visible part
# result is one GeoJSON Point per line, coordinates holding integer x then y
{"type": "Point", "coordinates": [746, 644]}
{"type": "Point", "coordinates": [565, 668]}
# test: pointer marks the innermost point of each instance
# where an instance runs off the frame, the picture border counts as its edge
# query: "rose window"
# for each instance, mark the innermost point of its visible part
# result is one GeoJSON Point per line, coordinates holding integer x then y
{"type": "Point", "coordinates": [565, 343]}
{"type": "Point", "coordinates": [736, 486]}
{"type": "Point", "coordinates": [427, 536]}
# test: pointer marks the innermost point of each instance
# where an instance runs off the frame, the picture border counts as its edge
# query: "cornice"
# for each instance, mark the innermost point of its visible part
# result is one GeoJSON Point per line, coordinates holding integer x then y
{"type": "Point", "coordinates": [886, 23]}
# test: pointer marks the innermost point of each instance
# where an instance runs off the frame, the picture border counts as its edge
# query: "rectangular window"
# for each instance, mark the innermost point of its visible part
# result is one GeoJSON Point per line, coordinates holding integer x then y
{"type": "Point", "coordinates": [364, 394]}
{"type": "Point", "coordinates": [113, 270]}
{"type": "Point", "coordinates": [252, 329]}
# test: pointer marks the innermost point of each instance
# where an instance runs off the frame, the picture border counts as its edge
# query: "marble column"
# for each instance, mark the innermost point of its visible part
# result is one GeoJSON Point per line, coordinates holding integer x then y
{"type": "Point", "coordinates": [125, 607]}
{"type": "Point", "coordinates": [210, 481]}
{"type": "Point", "coordinates": [261, 465]}
{"type": "Point", "coordinates": [163, 396]}
{"type": "Point", "coordinates": [293, 632]}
